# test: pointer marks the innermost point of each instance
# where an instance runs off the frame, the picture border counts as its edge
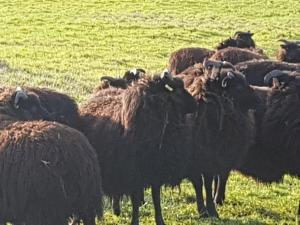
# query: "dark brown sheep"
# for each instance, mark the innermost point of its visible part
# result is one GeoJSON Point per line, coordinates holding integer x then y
{"type": "Point", "coordinates": [48, 172]}
{"type": "Point", "coordinates": [256, 70]}
{"type": "Point", "coordinates": [239, 40]}
{"type": "Point", "coordinates": [289, 51]}
{"type": "Point", "coordinates": [276, 99]}
{"type": "Point", "coordinates": [236, 55]}
{"type": "Point", "coordinates": [278, 151]}
{"type": "Point", "coordinates": [42, 103]}
{"type": "Point", "coordinates": [129, 77]}
{"type": "Point", "coordinates": [186, 57]}
{"type": "Point", "coordinates": [222, 129]}
{"type": "Point", "coordinates": [24, 104]}
{"type": "Point", "coordinates": [138, 137]}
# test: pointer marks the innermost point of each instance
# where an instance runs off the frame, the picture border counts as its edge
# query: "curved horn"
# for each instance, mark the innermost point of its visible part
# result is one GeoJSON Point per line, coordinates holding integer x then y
{"type": "Point", "coordinates": [211, 63]}
{"type": "Point", "coordinates": [20, 94]}
{"type": "Point", "coordinates": [228, 64]}
{"type": "Point", "coordinates": [108, 78]}
{"type": "Point", "coordinates": [134, 71]}
{"type": "Point", "coordinates": [229, 76]}
{"type": "Point", "coordinates": [285, 42]}
{"type": "Point", "coordinates": [273, 74]}
{"type": "Point", "coordinates": [166, 74]}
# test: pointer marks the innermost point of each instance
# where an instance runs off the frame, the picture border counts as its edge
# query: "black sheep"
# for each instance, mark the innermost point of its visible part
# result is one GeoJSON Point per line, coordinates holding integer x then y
{"type": "Point", "coordinates": [138, 137]}
{"type": "Point", "coordinates": [222, 129]}
{"type": "Point", "coordinates": [289, 51]}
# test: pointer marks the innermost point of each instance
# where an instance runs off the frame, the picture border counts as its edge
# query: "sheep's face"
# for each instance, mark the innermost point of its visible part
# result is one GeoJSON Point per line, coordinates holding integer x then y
{"type": "Point", "coordinates": [290, 53]}
{"type": "Point", "coordinates": [176, 96]}
{"type": "Point", "coordinates": [28, 106]}
{"type": "Point", "coordinates": [232, 84]}
{"type": "Point", "coordinates": [133, 75]}
{"type": "Point", "coordinates": [244, 39]}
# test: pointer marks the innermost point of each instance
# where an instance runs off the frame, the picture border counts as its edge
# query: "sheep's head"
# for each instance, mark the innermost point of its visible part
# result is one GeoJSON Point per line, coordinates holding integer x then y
{"type": "Point", "coordinates": [279, 79]}
{"type": "Point", "coordinates": [174, 92]}
{"type": "Point", "coordinates": [133, 75]}
{"type": "Point", "coordinates": [240, 40]}
{"type": "Point", "coordinates": [244, 39]}
{"type": "Point", "coordinates": [29, 106]}
{"type": "Point", "coordinates": [108, 81]}
{"type": "Point", "coordinates": [222, 79]}
{"type": "Point", "coordinates": [289, 51]}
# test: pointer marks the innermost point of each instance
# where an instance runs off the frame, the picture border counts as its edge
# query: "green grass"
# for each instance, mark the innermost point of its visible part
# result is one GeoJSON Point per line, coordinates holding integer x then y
{"type": "Point", "coordinates": [68, 45]}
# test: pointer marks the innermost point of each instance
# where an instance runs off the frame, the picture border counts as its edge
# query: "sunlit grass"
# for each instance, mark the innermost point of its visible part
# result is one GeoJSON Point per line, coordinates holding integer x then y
{"type": "Point", "coordinates": [68, 45]}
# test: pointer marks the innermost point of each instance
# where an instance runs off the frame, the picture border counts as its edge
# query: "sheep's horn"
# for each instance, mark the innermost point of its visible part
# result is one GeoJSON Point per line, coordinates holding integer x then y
{"type": "Point", "coordinates": [108, 78]}
{"type": "Point", "coordinates": [229, 76]}
{"type": "Point", "coordinates": [20, 94]}
{"type": "Point", "coordinates": [166, 74]}
{"type": "Point", "coordinates": [273, 74]}
{"type": "Point", "coordinates": [207, 63]}
{"type": "Point", "coordinates": [134, 71]}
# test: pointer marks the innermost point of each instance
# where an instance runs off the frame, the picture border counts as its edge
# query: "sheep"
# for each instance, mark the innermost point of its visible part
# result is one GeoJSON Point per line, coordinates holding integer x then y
{"type": "Point", "coordinates": [42, 103]}
{"type": "Point", "coordinates": [138, 137]}
{"type": "Point", "coordinates": [255, 70]}
{"type": "Point", "coordinates": [129, 77]}
{"type": "Point", "coordinates": [14, 109]}
{"type": "Point", "coordinates": [271, 172]}
{"type": "Point", "coordinates": [289, 51]}
{"type": "Point", "coordinates": [240, 40]}
{"type": "Point", "coordinates": [236, 55]}
{"type": "Point", "coordinates": [48, 172]}
{"type": "Point", "coordinates": [222, 129]}
{"type": "Point", "coordinates": [27, 103]}
{"type": "Point", "coordinates": [278, 149]}
{"type": "Point", "coordinates": [185, 57]}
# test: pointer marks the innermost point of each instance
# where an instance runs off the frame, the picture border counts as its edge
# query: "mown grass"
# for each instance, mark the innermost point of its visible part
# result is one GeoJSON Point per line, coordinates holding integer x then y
{"type": "Point", "coordinates": [68, 45]}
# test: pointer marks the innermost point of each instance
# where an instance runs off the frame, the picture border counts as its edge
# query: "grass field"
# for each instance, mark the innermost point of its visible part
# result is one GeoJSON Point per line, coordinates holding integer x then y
{"type": "Point", "coordinates": [68, 45]}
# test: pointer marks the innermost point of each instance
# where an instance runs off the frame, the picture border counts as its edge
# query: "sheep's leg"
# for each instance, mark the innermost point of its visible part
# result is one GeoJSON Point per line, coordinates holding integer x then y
{"type": "Point", "coordinates": [157, 207]}
{"type": "Point", "coordinates": [198, 185]}
{"type": "Point", "coordinates": [142, 202]}
{"type": "Point", "coordinates": [221, 188]}
{"type": "Point", "coordinates": [210, 205]}
{"type": "Point", "coordinates": [116, 201]}
{"type": "Point", "coordinates": [89, 219]}
{"type": "Point", "coordinates": [135, 201]}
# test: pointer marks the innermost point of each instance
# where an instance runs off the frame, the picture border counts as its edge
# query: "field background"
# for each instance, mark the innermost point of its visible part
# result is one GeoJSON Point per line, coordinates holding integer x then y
{"type": "Point", "coordinates": [68, 45]}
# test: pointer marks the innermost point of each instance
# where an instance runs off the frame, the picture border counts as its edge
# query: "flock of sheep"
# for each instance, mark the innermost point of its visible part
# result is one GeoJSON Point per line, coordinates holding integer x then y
{"type": "Point", "coordinates": [211, 112]}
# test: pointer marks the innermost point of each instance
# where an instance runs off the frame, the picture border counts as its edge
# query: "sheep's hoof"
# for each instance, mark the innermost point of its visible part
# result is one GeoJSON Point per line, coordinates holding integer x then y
{"type": "Point", "coordinates": [213, 213]}
{"type": "Point", "coordinates": [220, 201]}
{"type": "Point", "coordinates": [117, 212]}
{"type": "Point", "coordinates": [203, 213]}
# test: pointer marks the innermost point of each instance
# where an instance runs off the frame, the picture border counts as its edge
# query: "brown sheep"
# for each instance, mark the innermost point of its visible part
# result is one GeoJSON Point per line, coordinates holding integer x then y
{"type": "Point", "coordinates": [236, 55]}
{"type": "Point", "coordinates": [256, 70]}
{"type": "Point", "coordinates": [239, 40]}
{"type": "Point", "coordinates": [46, 162]}
{"type": "Point", "coordinates": [138, 137]}
{"type": "Point", "coordinates": [18, 105]}
{"type": "Point", "coordinates": [128, 78]}
{"type": "Point", "coordinates": [185, 57]}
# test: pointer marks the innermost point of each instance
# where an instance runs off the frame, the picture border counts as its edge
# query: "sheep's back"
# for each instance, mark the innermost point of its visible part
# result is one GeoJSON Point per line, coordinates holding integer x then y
{"type": "Point", "coordinates": [47, 162]}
